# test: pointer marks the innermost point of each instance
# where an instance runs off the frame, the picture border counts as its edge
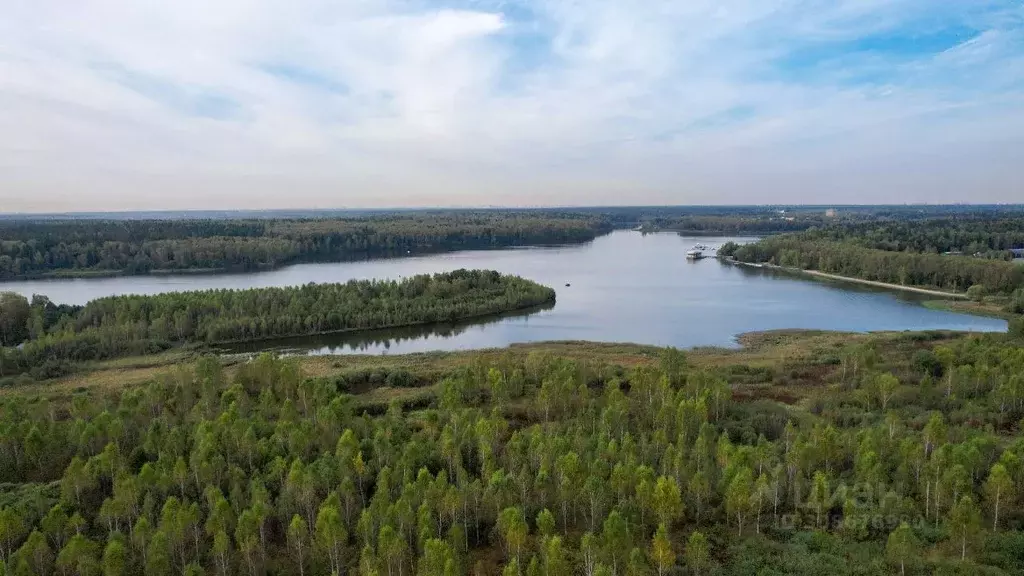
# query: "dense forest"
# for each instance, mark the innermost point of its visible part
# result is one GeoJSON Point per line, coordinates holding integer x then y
{"type": "Point", "coordinates": [877, 455]}
{"type": "Point", "coordinates": [957, 273]}
{"type": "Point", "coordinates": [45, 339]}
{"type": "Point", "coordinates": [33, 248]}
{"type": "Point", "coordinates": [968, 252]}
{"type": "Point", "coordinates": [988, 237]}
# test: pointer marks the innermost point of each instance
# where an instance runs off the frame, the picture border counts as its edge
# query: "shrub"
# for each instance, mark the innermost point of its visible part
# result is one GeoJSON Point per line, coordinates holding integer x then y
{"type": "Point", "coordinates": [976, 292]}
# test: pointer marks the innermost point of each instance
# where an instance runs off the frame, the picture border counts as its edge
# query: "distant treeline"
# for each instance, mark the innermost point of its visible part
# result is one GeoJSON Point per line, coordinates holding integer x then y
{"type": "Point", "coordinates": [731, 225]}
{"type": "Point", "coordinates": [122, 325]}
{"type": "Point", "coordinates": [988, 237]}
{"type": "Point", "coordinates": [789, 218]}
{"type": "Point", "coordinates": [989, 234]}
{"type": "Point", "coordinates": [35, 248]}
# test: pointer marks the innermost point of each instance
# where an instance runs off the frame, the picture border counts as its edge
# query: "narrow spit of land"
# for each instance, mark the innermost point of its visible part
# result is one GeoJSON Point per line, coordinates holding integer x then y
{"type": "Point", "coordinates": [928, 291]}
{"type": "Point", "coordinates": [838, 278]}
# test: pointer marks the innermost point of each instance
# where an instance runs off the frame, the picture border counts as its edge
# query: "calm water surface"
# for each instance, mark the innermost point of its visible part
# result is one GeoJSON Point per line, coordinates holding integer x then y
{"type": "Point", "coordinates": [623, 287]}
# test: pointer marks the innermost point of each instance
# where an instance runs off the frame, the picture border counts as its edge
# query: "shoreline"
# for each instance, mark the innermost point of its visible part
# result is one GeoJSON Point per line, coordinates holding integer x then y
{"type": "Point", "coordinates": [969, 307]}
{"type": "Point", "coordinates": [852, 280]}
{"type": "Point", "coordinates": [529, 308]}
{"type": "Point", "coordinates": [62, 274]}
{"type": "Point", "coordinates": [755, 348]}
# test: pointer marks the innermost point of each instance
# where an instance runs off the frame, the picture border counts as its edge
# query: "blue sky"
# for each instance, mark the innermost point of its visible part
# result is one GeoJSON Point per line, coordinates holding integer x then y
{"type": "Point", "coordinates": [313, 103]}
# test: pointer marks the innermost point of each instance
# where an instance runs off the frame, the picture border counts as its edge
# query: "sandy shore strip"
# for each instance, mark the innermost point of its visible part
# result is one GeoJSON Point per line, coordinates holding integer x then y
{"type": "Point", "coordinates": [817, 274]}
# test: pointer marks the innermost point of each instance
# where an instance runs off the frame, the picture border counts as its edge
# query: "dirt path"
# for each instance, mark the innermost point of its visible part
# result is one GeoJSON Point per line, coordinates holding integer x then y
{"type": "Point", "coordinates": [815, 273]}
{"type": "Point", "coordinates": [928, 291]}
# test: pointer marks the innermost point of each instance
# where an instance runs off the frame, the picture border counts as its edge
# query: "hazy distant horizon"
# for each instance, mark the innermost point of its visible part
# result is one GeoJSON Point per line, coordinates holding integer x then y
{"type": "Point", "coordinates": [380, 103]}
{"type": "Point", "coordinates": [343, 211]}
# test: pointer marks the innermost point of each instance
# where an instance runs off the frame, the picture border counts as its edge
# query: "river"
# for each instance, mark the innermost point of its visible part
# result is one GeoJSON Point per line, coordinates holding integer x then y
{"type": "Point", "coordinates": [622, 287]}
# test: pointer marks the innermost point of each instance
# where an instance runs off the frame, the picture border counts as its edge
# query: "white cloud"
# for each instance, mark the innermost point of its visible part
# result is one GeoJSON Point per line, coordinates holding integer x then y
{"type": "Point", "coordinates": [110, 104]}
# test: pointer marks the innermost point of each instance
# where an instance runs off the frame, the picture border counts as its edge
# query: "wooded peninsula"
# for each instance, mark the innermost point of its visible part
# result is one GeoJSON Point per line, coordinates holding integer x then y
{"type": "Point", "coordinates": [972, 256]}
{"type": "Point", "coordinates": [46, 340]}
{"type": "Point", "coordinates": [88, 247]}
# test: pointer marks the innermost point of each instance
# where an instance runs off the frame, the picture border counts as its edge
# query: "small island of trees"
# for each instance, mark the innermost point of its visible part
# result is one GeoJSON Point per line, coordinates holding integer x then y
{"type": "Point", "coordinates": [46, 339]}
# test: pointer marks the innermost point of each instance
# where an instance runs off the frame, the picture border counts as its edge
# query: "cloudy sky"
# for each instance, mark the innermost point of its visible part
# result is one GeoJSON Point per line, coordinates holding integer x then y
{"type": "Point", "coordinates": [147, 104]}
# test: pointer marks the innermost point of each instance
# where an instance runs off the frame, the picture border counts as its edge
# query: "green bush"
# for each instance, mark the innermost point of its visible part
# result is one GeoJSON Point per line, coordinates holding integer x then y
{"type": "Point", "coordinates": [1017, 327]}
{"type": "Point", "coordinates": [976, 292]}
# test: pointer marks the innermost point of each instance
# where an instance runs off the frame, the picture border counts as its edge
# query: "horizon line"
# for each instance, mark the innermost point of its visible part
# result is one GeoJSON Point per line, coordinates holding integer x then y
{"type": "Point", "coordinates": [12, 215]}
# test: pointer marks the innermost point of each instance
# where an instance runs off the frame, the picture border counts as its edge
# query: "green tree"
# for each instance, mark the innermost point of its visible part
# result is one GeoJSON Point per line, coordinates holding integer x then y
{"type": "Point", "coordinates": [947, 357]}
{"type": "Point", "coordinates": [158, 556]}
{"type": "Point", "coordinates": [512, 527]}
{"type": "Point", "coordinates": [886, 385]}
{"type": "Point", "coordinates": [546, 523]}
{"type": "Point", "coordinates": [762, 493]}
{"type": "Point", "coordinates": [976, 292]}
{"type": "Point", "coordinates": [298, 542]}
{"type": "Point", "coordinates": [555, 559]}
{"type": "Point", "coordinates": [511, 569]}
{"type": "Point", "coordinates": [697, 553]}
{"type": "Point", "coordinates": [115, 558]}
{"type": "Point", "coordinates": [737, 497]}
{"type": "Point", "coordinates": [14, 316]}
{"type": "Point", "coordinates": [438, 559]}
{"type": "Point", "coordinates": [79, 557]}
{"type": "Point", "coordinates": [661, 550]}
{"type": "Point", "coordinates": [34, 553]}
{"type": "Point", "coordinates": [589, 551]}
{"type": "Point", "coordinates": [533, 568]}
{"type": "Point", "coordinates": [76, 480]}
{"type": "Point", "coordinates": [12, 528]}
{"type": "Point", "coordinates": [140, 538]}
{"type": "Point", "coordinates": [221, 552]}
{"type": "Point", "coordinates": [615, 540]}
{"type": "Point", "coordinates": [902, 547]}
{"type": "Point", "coordinates": [956, 482]}
{"type": "Point", "coordinates": [55, 526]}
{"type": "Point", "coordinates": [393, 547]}
{"type": "Point", "coordinates": [999, 488]}
{"type": "Point", "coordinates": [673, 364]}
{"type": "Point", "coordinates": [820, 496]}
{"type": "Point", "coordinates": [330, 535]}
{"type": "Point", "coordinates": [965, 524]}
{"type": "Point", "coordinates": [668, 503]}
{"type": "Point", "coordinates": [699, 489]}
{"type": "Point", "coordinates": [637, 563]}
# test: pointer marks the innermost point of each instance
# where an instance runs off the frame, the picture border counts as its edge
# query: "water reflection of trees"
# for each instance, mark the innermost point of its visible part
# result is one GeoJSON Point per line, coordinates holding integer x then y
{"type": "Point", "coordinates": [376, 340]}
{"type": "Point", "coordinates": [368, 341]}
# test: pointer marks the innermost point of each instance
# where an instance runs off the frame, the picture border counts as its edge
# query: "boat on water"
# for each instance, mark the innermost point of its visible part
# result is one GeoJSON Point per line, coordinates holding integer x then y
{"type": "Point", "coordinates": [694, 253]}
